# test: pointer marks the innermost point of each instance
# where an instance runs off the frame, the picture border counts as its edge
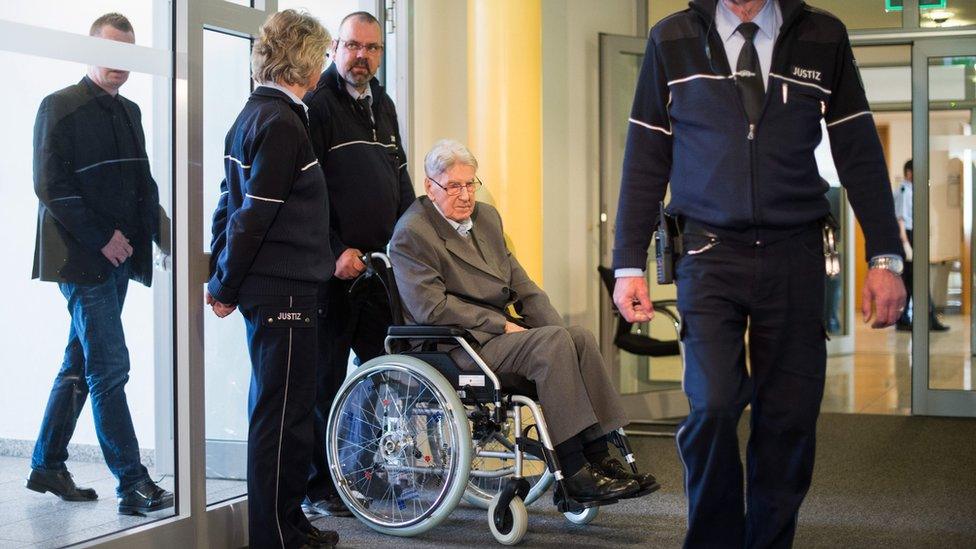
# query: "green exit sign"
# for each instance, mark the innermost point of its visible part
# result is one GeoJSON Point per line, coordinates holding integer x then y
{"type": "Point", "coordinates": [899, 5]}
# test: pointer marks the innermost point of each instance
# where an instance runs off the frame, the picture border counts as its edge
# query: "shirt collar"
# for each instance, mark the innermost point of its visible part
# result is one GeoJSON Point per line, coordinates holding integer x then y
{"type": "Point", "coordinates": [462, 228]}
{"type": "Point", "coordinates": [368, 94]}
{"type": "Point", "coordinates": [727, 22]}
{"type": "Point", "coordinates": [286, 91]}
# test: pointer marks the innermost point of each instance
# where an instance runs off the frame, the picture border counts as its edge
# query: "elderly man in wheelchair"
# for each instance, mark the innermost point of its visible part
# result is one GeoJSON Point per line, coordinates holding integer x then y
{"type": "Point", "coordinates": [480, 344]}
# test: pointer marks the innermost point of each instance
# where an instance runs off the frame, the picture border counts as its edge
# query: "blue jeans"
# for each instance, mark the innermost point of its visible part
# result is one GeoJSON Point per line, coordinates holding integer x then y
{"type": "Point", "coordinates": [96, 362]}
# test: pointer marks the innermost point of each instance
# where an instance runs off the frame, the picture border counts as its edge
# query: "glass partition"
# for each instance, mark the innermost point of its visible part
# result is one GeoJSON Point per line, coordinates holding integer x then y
{"type": "Point", "coordinates": [88, 384]}
{"type": "Point", "coordinates": [226, 87]}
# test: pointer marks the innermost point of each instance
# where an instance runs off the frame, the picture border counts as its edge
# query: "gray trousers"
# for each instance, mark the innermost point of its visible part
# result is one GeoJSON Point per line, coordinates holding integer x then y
{"type": "Point", "coordinates": [573, 385]}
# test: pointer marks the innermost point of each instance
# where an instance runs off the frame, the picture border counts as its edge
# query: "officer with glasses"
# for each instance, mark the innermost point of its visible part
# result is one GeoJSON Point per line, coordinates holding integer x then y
{"type": "Point", "coordinates": [355, 135]}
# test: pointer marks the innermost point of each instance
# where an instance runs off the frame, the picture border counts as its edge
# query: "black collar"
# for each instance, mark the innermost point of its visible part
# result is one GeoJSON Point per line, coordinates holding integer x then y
{"type": "Point", "coordinates": [266, 91]}
{"type": "Point", "coordinates": [104, 99]}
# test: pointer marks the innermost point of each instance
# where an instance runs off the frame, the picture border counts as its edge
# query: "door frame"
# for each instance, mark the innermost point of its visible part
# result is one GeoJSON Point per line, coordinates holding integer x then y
{"type": "Point", "coordinates": [927, 401]}
{"type": "Point", "coordinates": [650, 405]}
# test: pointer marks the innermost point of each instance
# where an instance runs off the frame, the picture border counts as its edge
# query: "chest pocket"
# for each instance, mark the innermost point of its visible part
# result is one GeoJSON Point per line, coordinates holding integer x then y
{"type": "Point", "coordinates": [802, 99]}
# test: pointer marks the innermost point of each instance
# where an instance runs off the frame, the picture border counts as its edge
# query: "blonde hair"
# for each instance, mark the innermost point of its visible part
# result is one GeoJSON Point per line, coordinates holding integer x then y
{"type": "Point", "coordinates": [290, 48]}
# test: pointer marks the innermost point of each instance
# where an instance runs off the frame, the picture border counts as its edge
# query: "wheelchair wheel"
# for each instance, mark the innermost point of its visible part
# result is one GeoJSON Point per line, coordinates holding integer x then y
{"type": "Point", "coordinates": [510, 524]}
{"type": "Point", "coordinates": [585, 516]}
{"type": "Point", "coordinates": [398, 445]}
{"type": "Point", "coordinates": [493, 456]}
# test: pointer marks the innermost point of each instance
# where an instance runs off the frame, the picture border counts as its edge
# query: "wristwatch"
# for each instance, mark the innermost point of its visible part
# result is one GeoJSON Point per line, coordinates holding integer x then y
{"type": "Point", "coordinates": [891, 263]}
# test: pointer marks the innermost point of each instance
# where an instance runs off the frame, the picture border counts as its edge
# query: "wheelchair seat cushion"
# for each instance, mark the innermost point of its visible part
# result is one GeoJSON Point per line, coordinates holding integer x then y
{"type": "Point", "coordinates": [515, 384]}
{"type": "Point", "coordinates": [427, 331]}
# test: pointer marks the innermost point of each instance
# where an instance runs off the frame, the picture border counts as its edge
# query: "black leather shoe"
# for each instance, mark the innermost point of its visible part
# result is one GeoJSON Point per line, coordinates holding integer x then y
{"type": "Point", "coordinates": [588, 484]}
{"type": "Point", "coordinates": [612, 468]}
{"type": "Point", "coordinates": [333, 506]}
{"type": "Point", "coordinates": [903, 326]}
{"type": "Point", "coordinates": [322, 538]}
{"type": "Point", "coordinates": [145, 498]}
{"type": "Point", "coordinates": [936, 326]}
{"type": "Point", "coordinates": [60, 484]}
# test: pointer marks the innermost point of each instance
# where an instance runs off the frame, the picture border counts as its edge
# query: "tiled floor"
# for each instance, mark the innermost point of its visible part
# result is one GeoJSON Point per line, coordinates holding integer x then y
{"type": "Point", "coordinates": [876, 379]}
{"type": "Point", "coordinates": [29, 519]}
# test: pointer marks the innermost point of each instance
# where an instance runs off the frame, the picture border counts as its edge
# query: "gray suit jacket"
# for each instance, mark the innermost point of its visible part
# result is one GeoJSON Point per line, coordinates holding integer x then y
{"type": "Point", "coordinates": [444, 281]}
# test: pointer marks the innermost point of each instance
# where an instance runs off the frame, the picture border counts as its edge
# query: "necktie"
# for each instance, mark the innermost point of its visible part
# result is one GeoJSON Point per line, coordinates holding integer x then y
{"type": "Point", "coordinates": [363, 105]}
{"type": "Point", "coordinates": [748, 73]}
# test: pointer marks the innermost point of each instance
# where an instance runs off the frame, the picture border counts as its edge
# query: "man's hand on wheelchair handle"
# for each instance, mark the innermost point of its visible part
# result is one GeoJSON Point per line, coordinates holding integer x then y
{"type": "Point", "coordinates": [349, 265]}
{"type": "Point", "coordinates": [632, 299]}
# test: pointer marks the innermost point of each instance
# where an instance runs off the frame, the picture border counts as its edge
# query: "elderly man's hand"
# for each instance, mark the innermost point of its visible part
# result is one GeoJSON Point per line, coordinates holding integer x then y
{"type": "Point", "coordinates": [511, 328]}
{"type": "Point", "coordinates": [348, 265]}
{"type": "Point", "coordinates": [886, 292]}
{"type": "Point", "coordinates": [632, 299]}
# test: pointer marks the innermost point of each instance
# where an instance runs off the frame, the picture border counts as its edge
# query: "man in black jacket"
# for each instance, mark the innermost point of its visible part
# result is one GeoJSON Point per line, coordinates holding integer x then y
{"type": "Point", "coordinates": [356, 137]}
{"type": "Point", "coordinates": [728, 111]}
{"type": "Point", "coordinates": [98, 215]}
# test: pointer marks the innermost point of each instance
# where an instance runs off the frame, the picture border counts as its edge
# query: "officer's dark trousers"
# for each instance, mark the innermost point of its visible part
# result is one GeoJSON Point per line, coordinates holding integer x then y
{"type": "Point", "coordinates": [773, 292]}
{"type": "Point", "coordinates": [356, 321]}
{"type": "Point", "coordinates": [280, 404]}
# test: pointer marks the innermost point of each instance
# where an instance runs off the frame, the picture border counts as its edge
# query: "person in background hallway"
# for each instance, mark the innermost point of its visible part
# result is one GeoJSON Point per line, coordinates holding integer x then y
{"type": "Point", "coordinates": [728, 111]}
{"type": "Point", "coordinates": [98, 216]}
{"type": "Point", "coordinates": [270, 250]}
{"type": "Point", "coordinates": [904, 201]}
{"type": "Point", "coordinates": [357, 140]}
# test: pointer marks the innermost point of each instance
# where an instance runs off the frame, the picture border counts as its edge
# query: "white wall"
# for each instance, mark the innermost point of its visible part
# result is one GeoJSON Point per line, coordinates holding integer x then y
{"type": "Point", "coordinates": [571, 149]}
{"type": "Point", "coordinates": [34, 326]}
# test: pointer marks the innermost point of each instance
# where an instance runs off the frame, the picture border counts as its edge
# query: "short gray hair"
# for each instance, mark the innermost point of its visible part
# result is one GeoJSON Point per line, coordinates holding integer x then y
{"type": "Point", "coordinates": [445, 154]}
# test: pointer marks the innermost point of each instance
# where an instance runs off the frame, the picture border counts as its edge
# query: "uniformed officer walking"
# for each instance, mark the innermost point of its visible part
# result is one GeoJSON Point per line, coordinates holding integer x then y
{"type": "Point", "coordinates": [271, 252]}
{"type": "Point", "coordinates": [728, 109]}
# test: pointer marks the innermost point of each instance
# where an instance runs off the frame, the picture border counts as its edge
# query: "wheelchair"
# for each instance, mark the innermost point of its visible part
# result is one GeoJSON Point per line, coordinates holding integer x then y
{"type": "Point", "coordinates": [411, 433]}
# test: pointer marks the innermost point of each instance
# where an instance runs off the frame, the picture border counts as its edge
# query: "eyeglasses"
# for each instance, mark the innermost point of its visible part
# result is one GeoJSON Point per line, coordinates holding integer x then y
{"type": "Point", "coordinates": [453, 188]}
{"type": "Point", "coordinates": [354, 47]}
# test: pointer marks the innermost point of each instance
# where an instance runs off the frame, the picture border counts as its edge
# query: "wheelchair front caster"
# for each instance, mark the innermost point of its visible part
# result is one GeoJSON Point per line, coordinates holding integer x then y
{"type": "Point", "coordinates": [585, 516]}
{"type": "Point", "coordinates": [510, 523]}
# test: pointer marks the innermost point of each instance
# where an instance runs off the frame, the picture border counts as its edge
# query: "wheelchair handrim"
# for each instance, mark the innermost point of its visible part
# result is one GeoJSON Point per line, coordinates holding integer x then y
{"type": "Point", "coordinates": [448, 494]}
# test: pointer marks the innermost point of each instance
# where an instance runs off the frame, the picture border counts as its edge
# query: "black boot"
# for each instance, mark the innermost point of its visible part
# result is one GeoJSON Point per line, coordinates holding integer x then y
{"type": "Point", "coordinates": [322, 538]}
{"type": "Point", "coordinates": [612, 468]}
{"type": "Point", "coordinates": [60, 484]}
{"type": "Point", "coordinates": [588, 485]}
{"type": "Point", "coordinates": [146, 497]}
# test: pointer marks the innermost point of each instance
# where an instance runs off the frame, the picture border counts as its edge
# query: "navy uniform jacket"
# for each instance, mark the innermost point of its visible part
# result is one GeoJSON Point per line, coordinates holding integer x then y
{"type": "Point", "coordinates": [688, 128]}
{"type": "Point", "coordinates": [364, 163]}
{"type": "Point", "coordinates": [91, 177]}
{"type": "Point", "coordinates": [271, 227]}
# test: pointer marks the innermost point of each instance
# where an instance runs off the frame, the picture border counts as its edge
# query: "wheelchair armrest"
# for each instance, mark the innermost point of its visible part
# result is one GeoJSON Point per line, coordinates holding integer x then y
{"type": "Point", "coordinates": [432, 332]}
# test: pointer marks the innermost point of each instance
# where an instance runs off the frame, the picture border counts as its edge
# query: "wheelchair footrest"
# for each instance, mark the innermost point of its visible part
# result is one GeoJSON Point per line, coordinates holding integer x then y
{"type": "Point", "coordinates": [574, 506]}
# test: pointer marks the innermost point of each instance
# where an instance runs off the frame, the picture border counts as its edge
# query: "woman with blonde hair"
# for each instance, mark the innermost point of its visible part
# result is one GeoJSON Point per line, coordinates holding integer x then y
{"type": "Point", "coordinates": [271, 252]}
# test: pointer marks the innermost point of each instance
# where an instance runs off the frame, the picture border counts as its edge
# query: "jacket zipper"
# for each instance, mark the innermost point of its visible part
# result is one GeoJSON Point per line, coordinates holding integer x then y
{"type": "Point", "coordinates": [751, 136]}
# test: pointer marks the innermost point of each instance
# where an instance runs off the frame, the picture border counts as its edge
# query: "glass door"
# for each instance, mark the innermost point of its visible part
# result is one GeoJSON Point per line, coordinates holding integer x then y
{"type": "Point", "coordinates": [650, 386]}
{"type": "Point", "coordinates": [944, 108]}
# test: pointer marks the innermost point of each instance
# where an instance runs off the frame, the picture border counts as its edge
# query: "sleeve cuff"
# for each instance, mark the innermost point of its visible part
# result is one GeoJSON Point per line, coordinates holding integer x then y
{"type": "Point", "coordinates": [626, 272]}
{"type": "Point", "coordinates": [221, 293]}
